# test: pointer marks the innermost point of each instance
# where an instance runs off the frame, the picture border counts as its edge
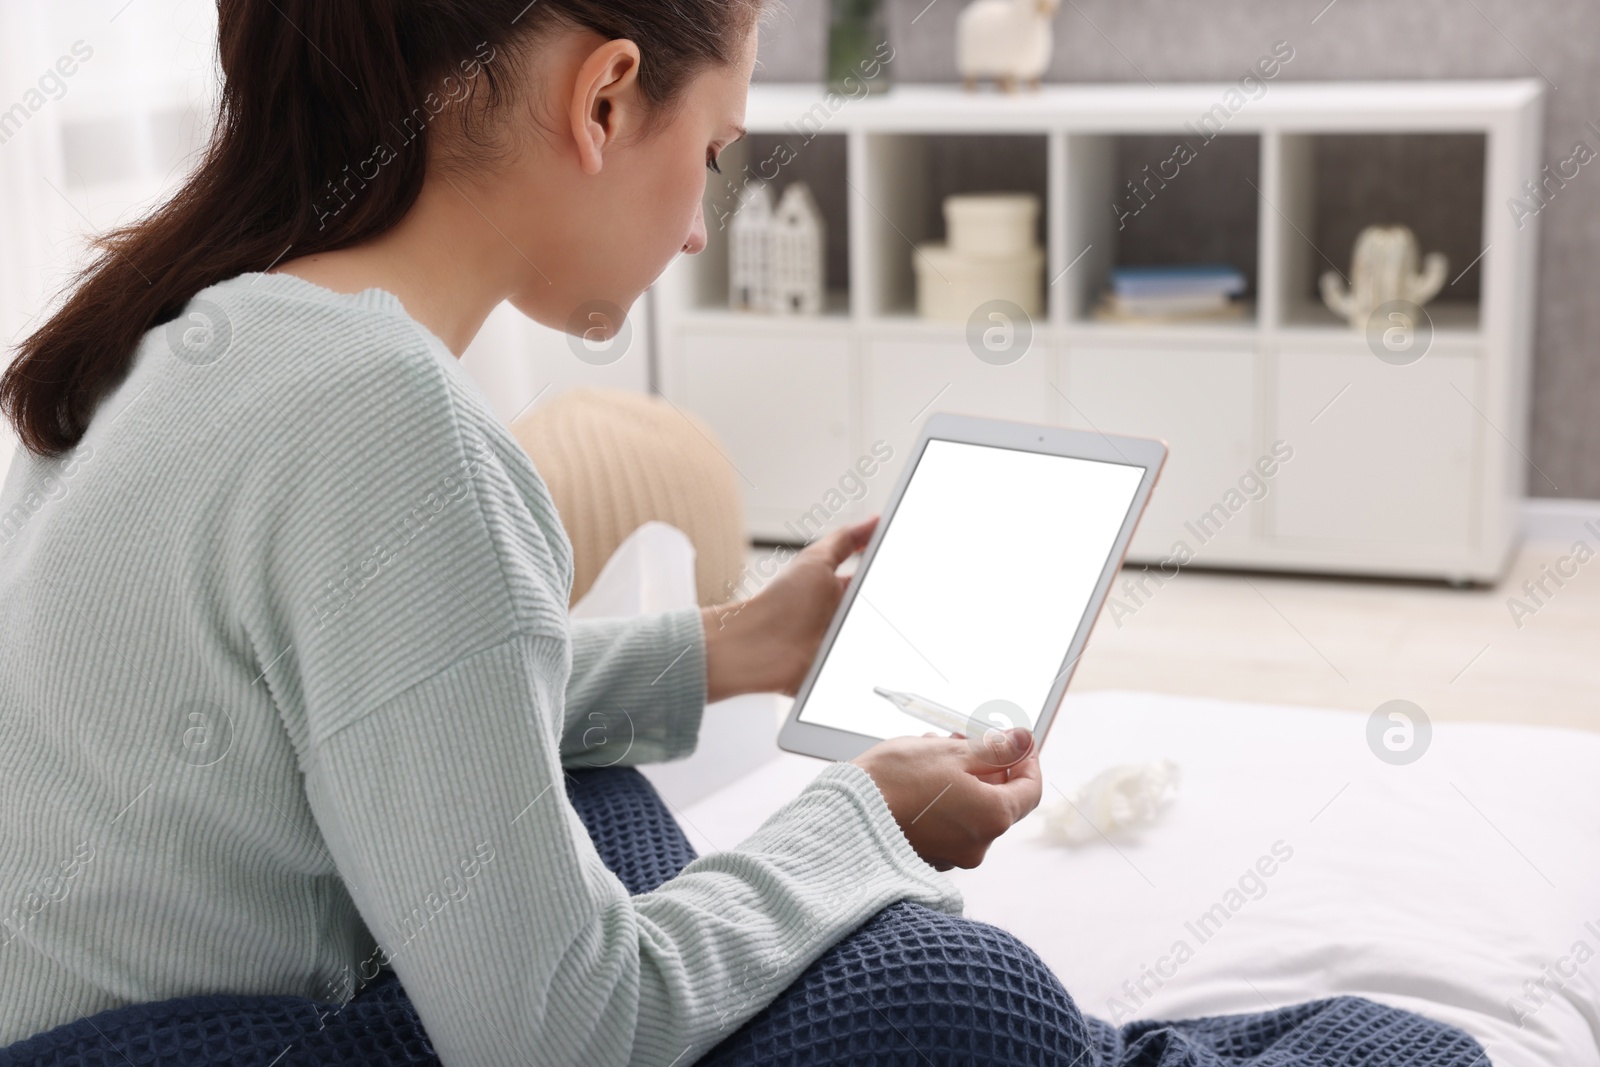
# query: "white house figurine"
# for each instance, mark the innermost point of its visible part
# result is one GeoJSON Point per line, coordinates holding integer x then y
{"type": "Point", "coordinates": [775, 254]}
{"type": "Point", "coordinates": [1006, 40]}
{"type": "Point", "coordinates": [749, 241]}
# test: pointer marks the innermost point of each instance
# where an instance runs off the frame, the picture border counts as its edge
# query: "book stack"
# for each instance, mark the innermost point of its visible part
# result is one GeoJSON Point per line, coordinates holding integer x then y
{"type": "Point", "coordinates": [1172, 294]}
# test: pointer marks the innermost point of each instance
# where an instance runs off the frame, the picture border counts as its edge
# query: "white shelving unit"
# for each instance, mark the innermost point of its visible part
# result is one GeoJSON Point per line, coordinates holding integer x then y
{"type": "Point", "coordinates": [1412, 470]}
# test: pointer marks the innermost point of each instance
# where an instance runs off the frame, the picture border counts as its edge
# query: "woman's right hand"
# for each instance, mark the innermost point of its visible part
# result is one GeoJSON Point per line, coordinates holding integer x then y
{"type": "Point", "coordinates": [952, 797]}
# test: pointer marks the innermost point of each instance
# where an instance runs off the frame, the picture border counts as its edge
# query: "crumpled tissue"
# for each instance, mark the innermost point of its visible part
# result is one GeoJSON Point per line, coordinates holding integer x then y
{"type": "Point", "coordinates": [1113, 803]}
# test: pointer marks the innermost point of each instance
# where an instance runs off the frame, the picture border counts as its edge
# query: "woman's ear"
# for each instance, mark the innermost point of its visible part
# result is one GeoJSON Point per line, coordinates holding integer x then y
{"type": "Point", "coordinates": [605, 100]}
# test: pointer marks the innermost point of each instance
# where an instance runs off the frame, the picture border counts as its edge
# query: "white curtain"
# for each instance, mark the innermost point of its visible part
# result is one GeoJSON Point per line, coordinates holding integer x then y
{"type": "Point", "coordinates": [102, 103]}
{"type": "Point", "coordinates": [86, 150]}
{"type": "Point", "coordinates": [30, 157]}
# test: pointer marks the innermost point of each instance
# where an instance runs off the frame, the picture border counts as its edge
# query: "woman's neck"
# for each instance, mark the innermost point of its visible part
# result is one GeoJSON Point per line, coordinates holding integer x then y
{"type": "Point", "coordinates": [446, 262]}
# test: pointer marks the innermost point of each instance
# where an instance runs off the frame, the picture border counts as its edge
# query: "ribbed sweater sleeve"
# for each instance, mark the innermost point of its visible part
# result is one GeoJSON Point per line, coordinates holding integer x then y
{"type": "Point", "coordinates": [637, 691]}
{"type": "Point", "coordinates": [452, 831]}
{"type": "Point", "coordinates": [435, 688]}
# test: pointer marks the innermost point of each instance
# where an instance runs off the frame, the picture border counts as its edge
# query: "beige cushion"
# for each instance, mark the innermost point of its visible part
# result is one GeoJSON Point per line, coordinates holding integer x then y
{"type": "Point", "coordinates": [615, 460]}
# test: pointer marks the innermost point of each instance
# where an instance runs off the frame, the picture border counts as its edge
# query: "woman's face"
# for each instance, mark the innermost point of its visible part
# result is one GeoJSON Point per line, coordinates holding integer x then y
{"type": "Point", "coordinates": [599, 235]}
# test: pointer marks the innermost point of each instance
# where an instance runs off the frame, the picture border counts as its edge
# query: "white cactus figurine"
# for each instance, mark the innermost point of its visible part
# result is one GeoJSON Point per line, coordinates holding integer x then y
{"type": "Point", "coordinates": [1383, 267]}
{"type": "Point", "coordinates": [1007, 40]}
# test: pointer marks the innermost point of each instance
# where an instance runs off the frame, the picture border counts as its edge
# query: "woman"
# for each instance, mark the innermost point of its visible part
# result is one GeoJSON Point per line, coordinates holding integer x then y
{"type": "Point", "coordinates": [290, 678]}
{"type": "Point", "coordinates": [287, 680]}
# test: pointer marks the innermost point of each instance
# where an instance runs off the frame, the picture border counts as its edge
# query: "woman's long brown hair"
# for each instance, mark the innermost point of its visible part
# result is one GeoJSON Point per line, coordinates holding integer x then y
{"type": "Point", "coordinates": [319, 143]}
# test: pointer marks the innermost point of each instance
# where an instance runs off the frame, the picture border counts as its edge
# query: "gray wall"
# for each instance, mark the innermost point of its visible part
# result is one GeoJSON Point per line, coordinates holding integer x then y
{"type": "Point", "coordinates": [1211, 40]}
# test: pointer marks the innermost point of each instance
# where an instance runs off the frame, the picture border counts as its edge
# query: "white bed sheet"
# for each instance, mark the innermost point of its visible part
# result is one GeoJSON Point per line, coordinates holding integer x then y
{"type": "Point", "coordinates": [1441, 887]}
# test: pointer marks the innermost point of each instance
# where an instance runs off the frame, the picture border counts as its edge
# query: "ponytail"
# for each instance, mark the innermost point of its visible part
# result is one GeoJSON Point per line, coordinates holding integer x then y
{"type": "Point", "coordinates": [319, 143]}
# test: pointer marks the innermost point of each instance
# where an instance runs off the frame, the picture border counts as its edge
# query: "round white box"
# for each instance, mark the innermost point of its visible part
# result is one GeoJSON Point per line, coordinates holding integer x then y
{"type": "Point", "coordinates": [951, 284]}
{"type": "Point", "coordinates": [991, 224]}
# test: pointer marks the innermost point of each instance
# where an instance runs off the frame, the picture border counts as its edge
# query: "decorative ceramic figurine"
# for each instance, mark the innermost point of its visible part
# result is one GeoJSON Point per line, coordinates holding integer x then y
{"type": "Point", "coordinates": [1383, 267]}
{"type": "Point", "coordinates": [749, 250]}
{"type": "Point", "coordinates": [775, 254]}
{"type": "Point", "coordinates": [1007, 40]}
{"type": "Point", "coordinates": [796, 253]}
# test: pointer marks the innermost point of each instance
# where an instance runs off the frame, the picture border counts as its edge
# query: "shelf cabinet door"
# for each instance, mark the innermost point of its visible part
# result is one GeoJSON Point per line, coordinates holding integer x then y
{"type": "Point", "coordinates": [906, 379]}
{"type": "Point", "coordinates": [782, 406]}
{"type": "Point", "coordinates": [1384, 455]}
{"type": "Point", "coordinates": [1201, 401]}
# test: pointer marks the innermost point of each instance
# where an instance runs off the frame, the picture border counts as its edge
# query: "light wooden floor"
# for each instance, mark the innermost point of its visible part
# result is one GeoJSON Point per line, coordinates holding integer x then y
{"type": "Point", "coordinates": [1328, 642]}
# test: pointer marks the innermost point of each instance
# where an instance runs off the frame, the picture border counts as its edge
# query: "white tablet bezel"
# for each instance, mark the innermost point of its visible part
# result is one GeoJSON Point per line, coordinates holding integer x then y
{"type": "Point", "coordinates": [828, 742]}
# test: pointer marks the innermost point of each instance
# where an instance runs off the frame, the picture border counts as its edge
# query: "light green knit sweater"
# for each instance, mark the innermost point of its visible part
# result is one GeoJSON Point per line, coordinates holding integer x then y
{"type": "Point", "coordinates": [285, 667]}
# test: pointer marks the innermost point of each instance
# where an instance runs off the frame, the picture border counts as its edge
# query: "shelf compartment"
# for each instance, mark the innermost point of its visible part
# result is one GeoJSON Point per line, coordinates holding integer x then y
{"type": "Point", "coordinates": [908, 176]}
{"type": "Point", "coordinates": [821, 161]}
{"type": "Point", "coordinates": [1331, 186]}
{"type": "Point", "coordinates": [1160, 199]}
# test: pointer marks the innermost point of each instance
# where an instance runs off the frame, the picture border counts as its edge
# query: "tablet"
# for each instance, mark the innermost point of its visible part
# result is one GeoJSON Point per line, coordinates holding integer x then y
{"type": "Point", "coordinates": [975, 596]}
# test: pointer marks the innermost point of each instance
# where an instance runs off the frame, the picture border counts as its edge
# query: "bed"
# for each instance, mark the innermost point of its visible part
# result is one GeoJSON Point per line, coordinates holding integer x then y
{"type": "Point", "coordinates": [1295, 865]}
{"type": "Point", "coordinates": [1464, 886]}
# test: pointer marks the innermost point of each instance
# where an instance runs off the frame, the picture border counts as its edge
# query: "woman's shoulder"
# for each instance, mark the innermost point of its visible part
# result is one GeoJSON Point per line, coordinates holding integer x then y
{"type": "Point", "coordinates": [345, 392]}
{"type": "Point", "coordinates": [282, 328]}
{"type": "Point", "coordinates": [299, 374]}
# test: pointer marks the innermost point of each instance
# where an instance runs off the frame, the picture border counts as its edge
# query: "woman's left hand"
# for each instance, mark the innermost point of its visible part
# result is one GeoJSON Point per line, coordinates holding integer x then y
{"type": "Point", "coordinates": [765, 644]}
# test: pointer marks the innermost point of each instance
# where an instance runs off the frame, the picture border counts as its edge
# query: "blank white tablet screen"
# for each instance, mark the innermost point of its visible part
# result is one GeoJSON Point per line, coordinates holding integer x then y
{"type": "Point", "coordinates": [977, 587]}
